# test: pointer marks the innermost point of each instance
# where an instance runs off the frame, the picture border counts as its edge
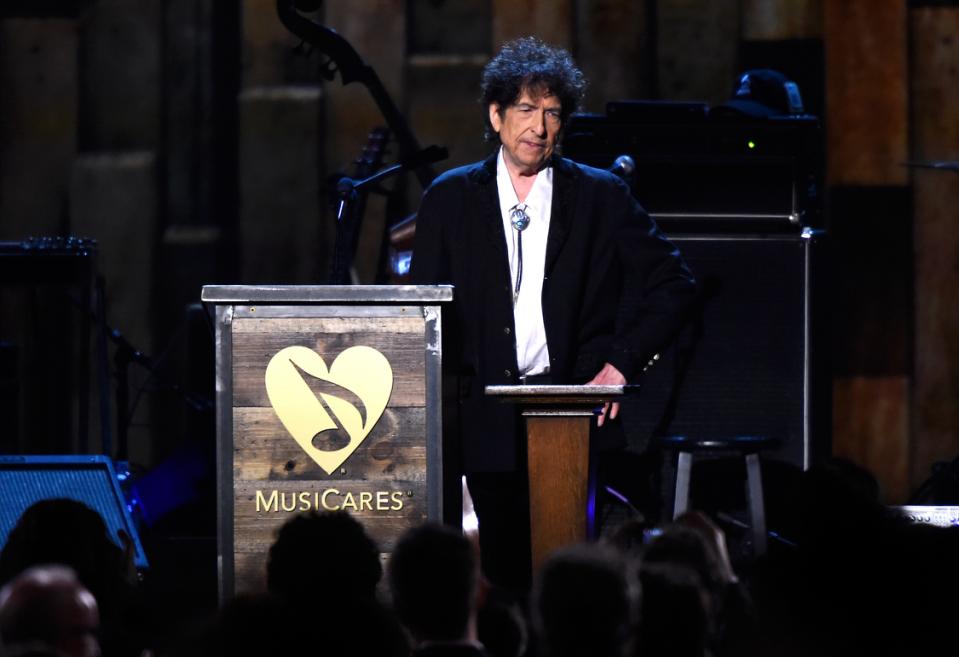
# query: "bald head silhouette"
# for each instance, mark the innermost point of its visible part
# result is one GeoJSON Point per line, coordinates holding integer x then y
{"type": "Point", "coordinates": [48, 605]}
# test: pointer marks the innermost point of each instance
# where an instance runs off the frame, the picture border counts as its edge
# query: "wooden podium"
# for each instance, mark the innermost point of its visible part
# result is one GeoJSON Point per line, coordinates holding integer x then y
{"type": "Point", "coordinates": [557, 443]}
{"type": "Point", "coordinates": [328, 397]}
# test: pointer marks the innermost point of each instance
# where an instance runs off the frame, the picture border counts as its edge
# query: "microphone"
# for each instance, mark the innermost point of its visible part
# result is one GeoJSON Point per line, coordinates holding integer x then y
{"type": "Point", "coordinates": [623, 166]}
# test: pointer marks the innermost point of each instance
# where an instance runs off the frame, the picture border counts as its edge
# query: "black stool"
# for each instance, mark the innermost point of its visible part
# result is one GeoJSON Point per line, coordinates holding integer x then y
{"type": "Point", "coordinates": [747, 446]}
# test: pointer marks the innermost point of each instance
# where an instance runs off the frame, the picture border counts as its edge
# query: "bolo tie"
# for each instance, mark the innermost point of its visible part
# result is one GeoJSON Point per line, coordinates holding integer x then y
{"type": "Point", "coordinates": [520, 221]}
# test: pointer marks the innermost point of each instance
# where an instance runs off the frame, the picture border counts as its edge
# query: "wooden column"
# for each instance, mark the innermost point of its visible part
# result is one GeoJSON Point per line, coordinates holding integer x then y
{"type": "Point", "coordinates": [551, 21]}
{"type": "Point", "coordinates": [696, 55]}
{"type": "Point", "coordinates": [377, 30]}
{"type": "Point", "coordinates": [935, 106]}
{"type": "Point", "coordinates": [558, 454]}
{"type": "Point", "coordinates": [866, 105]}
{"type": "Point", "coordinates": [120, 77]}
{"type": "Point", "coordinates": [867, 127]}
{"type": "Point", "coordinates": [615, 49]}
{"type": "Point", "coordinates": [38, 123]}
{"type": "Point", "coordinates": [776, 20]}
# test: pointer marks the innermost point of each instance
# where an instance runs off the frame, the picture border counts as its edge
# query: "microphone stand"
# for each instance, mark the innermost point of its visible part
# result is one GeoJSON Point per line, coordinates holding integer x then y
{"type": "Point", "coordinates": [126, 354]}
{"type": "Point", "coordinates": [347, 191]}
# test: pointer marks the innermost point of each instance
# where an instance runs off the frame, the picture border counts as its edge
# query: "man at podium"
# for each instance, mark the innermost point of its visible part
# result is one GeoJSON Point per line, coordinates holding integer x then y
{"type": "Point", "coordinates": [560, 277]}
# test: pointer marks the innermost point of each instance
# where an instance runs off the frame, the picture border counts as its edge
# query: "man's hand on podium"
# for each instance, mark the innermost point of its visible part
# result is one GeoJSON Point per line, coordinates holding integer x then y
{"type": "Point", "coordinates": [608, 376]}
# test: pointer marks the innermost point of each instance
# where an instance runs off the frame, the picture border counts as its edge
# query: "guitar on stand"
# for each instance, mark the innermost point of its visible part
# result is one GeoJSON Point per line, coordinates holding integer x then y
{"type": "Point", "coordinates": [351, 207]}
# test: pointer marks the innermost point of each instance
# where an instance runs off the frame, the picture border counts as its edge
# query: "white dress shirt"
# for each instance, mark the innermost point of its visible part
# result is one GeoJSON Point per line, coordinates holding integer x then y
{"type": "Point", "coordinates": [532, 354]}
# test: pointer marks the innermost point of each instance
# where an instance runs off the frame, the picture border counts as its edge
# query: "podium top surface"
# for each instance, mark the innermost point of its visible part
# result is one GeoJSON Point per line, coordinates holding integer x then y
{"type": "Point", "coordinates": [558, 394]}
{"type": "Point", "coordinates": [286, 294]}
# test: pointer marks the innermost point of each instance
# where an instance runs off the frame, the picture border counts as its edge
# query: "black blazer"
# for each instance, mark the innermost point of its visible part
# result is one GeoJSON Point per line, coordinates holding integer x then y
{"type": "Point", "coordinates": [615, 290]}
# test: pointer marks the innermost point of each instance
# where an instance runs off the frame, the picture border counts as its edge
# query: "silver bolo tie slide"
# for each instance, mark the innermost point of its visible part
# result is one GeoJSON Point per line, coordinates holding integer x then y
{"type": "Point", "coordinates": [520, 221]}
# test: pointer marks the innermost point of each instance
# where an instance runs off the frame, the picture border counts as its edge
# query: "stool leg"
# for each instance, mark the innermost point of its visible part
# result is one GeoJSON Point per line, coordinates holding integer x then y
{"type": "Point", "coordinates": [684, 466]}
{"type": "Point", "coordinates": [757, 510]}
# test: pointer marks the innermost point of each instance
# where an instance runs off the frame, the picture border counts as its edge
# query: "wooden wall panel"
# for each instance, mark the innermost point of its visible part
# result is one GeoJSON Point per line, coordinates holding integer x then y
{"type": "Point", "coordinates": [461, 28]}
{"type": "Point", "coordinates": [284, 235]}
{"type": "Point", "coordinates": [550, 20]}
{"type": "Point", "coordinates": [871, 287]}
{"type": "Point", "coordinates": [613, 49]}
{"type": "Point", "coordinates": [867, 132]}
{"type": "Point", "coordinates": [113, 199]}
{"type": "Point", "coordinates": [120, 67]}
{"type": "Point", "coordinates": [935, 82]}
{"type": "Point", "coordinates": [775, 20]}
{"type": "Point", "coordinates": [328, 337]}
{"type": "Point", "coordinates": [267, 56]}
{"type": "Point", "coordinates": [187, 110]}
{"type": "Point", "coordinates": [871, 428]}
{"type": "Point", "coordinates": [443, 107]}
{"type": "Point", "coordinates": [377, 30]}
{"type": "Point", "coordinates": [394, 448]}
{"type": "Point", "coordinates": [866, 103]}
{"type": "Point", "coordinates": [282, 141]}
{"type": "Point", "coordinates": [258, 529]}
{"type": "Point", "coordinates": [697, 54]}
{"type": "Point", "coordinates": [935, 93]}
{"type": "Point", "coordinates": [38, 123]}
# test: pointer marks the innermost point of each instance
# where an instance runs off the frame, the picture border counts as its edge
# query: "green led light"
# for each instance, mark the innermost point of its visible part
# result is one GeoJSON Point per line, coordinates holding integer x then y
{"type": "Point", "coordinates": [751, 144]}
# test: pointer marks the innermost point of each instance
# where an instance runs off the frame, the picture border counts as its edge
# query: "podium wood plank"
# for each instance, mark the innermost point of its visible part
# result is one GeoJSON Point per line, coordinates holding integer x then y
{"type": "Point", "coordinates": [251, 570]}
{"type": "Point", "coordinates": [394, 450]}
{"type": "Point", "coordinates": [259, 514]}
{"type": "Point", "coordinates": [558, 454]}
{"type": "Point", "coordinates": [254, 344]}
{"type": "Point", "coordinates": [349, 324]}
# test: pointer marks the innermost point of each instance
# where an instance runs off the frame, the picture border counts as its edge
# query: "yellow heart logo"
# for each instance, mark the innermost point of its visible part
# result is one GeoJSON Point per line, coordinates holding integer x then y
{"type": "Point", "coordinates": [361, 371]}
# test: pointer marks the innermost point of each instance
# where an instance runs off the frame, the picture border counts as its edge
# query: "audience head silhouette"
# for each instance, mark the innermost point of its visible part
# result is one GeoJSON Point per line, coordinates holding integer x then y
{"type": "Point", "coordinates": [47, 605]}
{"type": "Point", "coordinates": [434, 578]}
{"type": "Point", "coordinates": [327, 551]}
{"type": "Point", "coordinates": [682, 545]}
{"type": "Point", "coordinates": [675, 611]}
{"type": "Point", "coordinates": [67, 532]}
{"type": "Point", "coordinates": [583, 603]}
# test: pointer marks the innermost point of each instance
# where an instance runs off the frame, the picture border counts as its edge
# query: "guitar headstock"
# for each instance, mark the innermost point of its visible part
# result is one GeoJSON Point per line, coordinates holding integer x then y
{"type": "Point", "coordinates": [371, 158]}
{"type": "Point", "coordinates": [328, 41]}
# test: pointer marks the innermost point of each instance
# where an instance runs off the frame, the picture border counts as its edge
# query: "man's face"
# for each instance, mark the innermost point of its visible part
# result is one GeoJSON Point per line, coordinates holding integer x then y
{"type": "Point", "coordinates": [528, 129]}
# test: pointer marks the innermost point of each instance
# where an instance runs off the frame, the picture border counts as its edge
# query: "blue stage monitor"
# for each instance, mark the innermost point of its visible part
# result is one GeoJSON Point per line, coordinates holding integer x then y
{"type": "Point", "coordinates": [92, 480]}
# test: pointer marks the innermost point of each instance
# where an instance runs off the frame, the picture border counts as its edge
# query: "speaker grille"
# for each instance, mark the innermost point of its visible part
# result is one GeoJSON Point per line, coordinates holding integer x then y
{"type": "Point", "coordinates": [741, 365]}
{"type": "Point", "coordinates": [25, 480]}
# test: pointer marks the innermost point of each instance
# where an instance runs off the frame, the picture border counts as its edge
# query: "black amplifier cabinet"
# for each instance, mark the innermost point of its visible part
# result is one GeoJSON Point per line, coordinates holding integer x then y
{"type": "Point", "coordinates": [697, 173]}
{"type": "Point", "coordinates": [740, 199]}
{"type": "Point", "coordinates": [750, 361]}
{"type": "Point", "coordinates": [47, 301]}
